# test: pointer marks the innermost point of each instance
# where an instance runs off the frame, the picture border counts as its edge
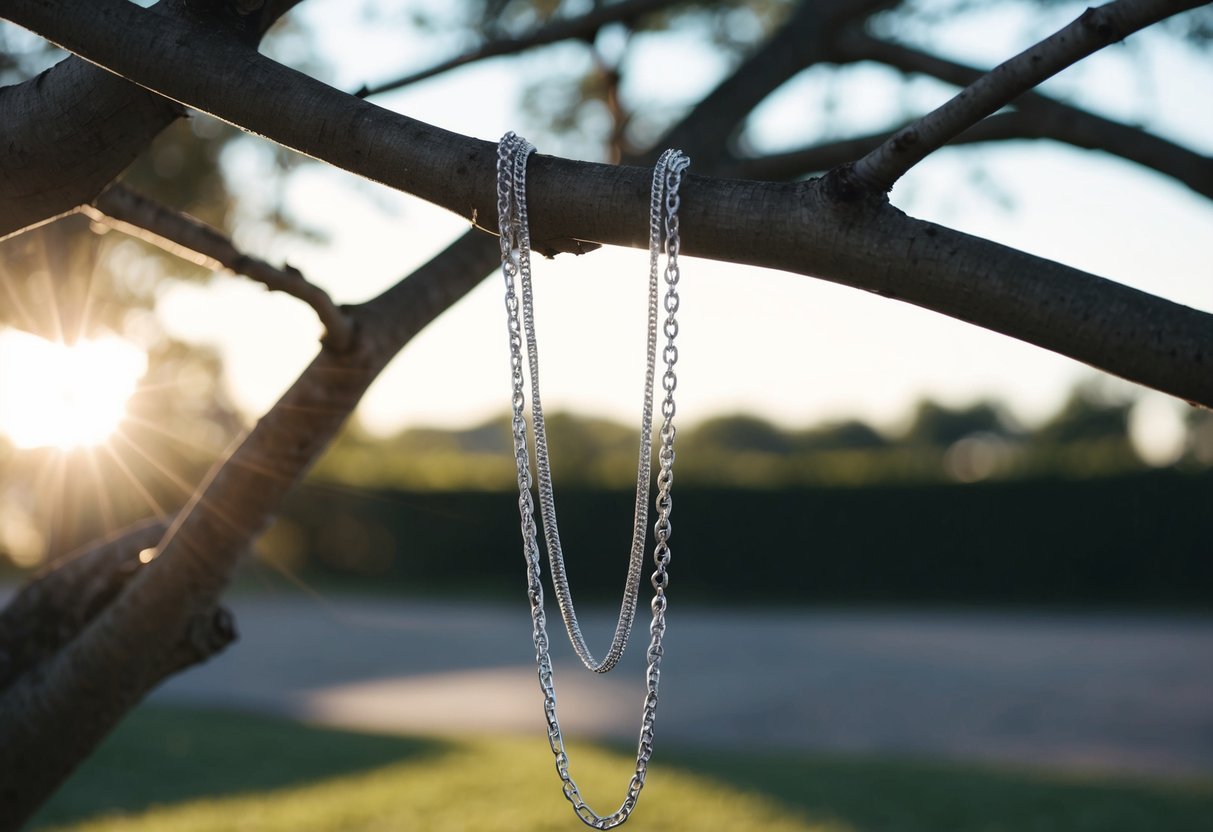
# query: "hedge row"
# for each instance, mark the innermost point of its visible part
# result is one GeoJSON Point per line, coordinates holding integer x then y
{"type": "Point", "coordinates": [1140, 539]}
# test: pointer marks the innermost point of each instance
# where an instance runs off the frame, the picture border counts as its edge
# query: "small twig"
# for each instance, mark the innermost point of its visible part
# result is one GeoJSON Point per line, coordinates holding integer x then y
{"type": "Point", "coordinates": [1093, 30]}
{"type": "Point", "coordinates": [191, 239]}
{"type": "Point", "coordinates": [585, 26]}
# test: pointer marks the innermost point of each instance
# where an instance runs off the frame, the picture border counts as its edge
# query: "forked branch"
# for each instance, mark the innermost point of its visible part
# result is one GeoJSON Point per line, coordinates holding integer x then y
{"type": "Point", "coordinates": [1094, 29]}
{"type": "Point", "coordinates": [1037, 117]}
{"type": "Point", "coordinates": [192, 240]}
{"type": "Point", "coordinates": [1061, 124]}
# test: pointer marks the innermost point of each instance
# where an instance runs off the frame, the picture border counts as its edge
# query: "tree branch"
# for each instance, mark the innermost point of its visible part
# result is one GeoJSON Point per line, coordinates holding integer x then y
{"type": "Point", "coordinates": [168, 617]}
{"type": "Point", "coordinates": [1081, 130]}
{"type": "Point", "coordinates": [584, 27]}
{"type": "Point", "coordinates": [1094, 29]}
{"type": "Point", "coordinates": [193, 240]}
{"type": "Point", "coordinates": [1049, 118]}
{"type": "Point", "coordinates": [818, 228]}
{"type": "Point", "coordinates": [814, 158]}
{"type": "Point", "coordinates": [51, 163]}
{"type": "Point", "coordinates": [799, 43]}
{"type": "Point", "coordinates": [63, 598]}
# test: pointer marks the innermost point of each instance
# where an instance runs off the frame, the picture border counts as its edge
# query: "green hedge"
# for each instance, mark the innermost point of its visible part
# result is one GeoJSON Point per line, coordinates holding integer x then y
{"type": "Point", "coordinates": [1140, 539]}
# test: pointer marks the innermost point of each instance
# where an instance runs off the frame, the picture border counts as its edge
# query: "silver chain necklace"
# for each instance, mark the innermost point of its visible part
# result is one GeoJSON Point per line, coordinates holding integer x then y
{"type": "Point", "coordinates": [512, 155]}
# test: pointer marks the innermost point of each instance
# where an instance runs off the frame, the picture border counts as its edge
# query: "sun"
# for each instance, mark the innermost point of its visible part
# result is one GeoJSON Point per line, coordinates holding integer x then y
{"type": "Point", "coordinates": [61, 395]}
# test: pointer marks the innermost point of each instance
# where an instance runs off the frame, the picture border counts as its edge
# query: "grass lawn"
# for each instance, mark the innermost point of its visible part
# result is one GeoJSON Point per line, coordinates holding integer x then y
{"type": "Point", "coordinates": [172, 770]}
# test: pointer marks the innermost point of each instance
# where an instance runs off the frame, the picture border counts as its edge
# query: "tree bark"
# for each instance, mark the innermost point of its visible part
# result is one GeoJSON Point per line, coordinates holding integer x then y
{"type": "Point", "coordinates": [69, 132]}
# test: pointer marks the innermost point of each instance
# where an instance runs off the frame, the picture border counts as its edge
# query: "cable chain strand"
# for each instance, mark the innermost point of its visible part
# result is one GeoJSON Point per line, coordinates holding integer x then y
{"type": "Point", "coordinates": [513, 153]}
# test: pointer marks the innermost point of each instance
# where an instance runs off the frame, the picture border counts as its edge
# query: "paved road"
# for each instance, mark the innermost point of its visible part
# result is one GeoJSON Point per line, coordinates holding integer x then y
{"type": "Point", "coordinates": [1128, 693]}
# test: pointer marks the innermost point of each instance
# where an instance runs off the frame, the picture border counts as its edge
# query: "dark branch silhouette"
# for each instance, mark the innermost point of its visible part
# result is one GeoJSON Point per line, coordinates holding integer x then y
{"type": "Point", "coordinates": [1094, 30]}
{"type": "Point", "coordinates": [1040, 117]}
{"type": "Point", "coordinates": [193, 240]}
{"type": "Point", "coordinates": [578, 28]}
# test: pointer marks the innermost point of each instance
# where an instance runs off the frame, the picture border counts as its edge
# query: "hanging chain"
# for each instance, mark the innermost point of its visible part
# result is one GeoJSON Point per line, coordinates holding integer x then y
{"type": "Point", "coordinates": [513, 153]}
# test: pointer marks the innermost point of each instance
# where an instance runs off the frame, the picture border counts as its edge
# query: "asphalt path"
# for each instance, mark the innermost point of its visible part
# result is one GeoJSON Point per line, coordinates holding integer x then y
{"type": "Point", "coordinates": [1127, 693]}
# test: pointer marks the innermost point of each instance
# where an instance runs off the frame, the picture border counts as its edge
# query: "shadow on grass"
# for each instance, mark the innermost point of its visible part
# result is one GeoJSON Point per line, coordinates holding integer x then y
{"type": "Point", "coordinates": [875, 794]}
{"type": "Point", "coordinates": [166, 757]}
{"type": "Point", "coordinates": [160, 756]}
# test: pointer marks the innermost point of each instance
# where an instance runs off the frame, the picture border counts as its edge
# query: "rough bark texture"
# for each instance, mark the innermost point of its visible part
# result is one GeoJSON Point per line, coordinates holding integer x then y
{"type": "Point", "coordinates": [69, 132]}
{"type": "Point", "coordinates": [53, 163]}
{"type": "Point", "coordinates": [58, 602]}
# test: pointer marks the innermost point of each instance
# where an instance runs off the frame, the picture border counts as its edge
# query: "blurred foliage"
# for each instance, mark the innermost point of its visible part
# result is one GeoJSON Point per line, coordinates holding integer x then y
{"type": "Point", "coordinates": [1088, 436]}
{"type": "Point", "coordinates": [586, 105]}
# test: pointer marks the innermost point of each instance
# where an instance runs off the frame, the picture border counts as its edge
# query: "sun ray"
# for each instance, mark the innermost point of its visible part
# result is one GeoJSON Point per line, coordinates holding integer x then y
{"type": "Point", "coordinates": [188, 488]}
{"type": "Point", "coordinates": [90, 295]}
{"type": "Point", "coordinates": [178, 438]}
{"type": "Point", "coordinates": [300, 583]}
{"type": "Point", "coordinates": [54, 484]}
{"type": "Point", "coordinates": [245, 464]}
{"type": "Point", "coordinates": [104, 501]}
{"type": "Point", "coordinates": [14, 299]}
{"type": "Point", "coordinates": [49, 286]}
{"type": "Point", "coordinates": [139, 487]}
{"type": "Point", "coordinates": [168, 473]}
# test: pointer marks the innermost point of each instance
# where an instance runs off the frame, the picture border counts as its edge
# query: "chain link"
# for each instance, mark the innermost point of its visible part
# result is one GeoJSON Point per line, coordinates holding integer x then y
{"type": "Point", "coordinates": [513, 153]}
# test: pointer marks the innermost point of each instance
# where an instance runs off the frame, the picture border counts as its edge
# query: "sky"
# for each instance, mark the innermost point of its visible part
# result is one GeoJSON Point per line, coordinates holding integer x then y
{"type": "Point", "coordinates": [793, 349]}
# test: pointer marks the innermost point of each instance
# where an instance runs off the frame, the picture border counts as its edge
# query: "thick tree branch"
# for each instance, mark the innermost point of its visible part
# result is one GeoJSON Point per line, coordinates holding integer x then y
{"type": "Point", "coordinates": [72, 130]}
{"type": "Point", "coordinates": [168, 617]}
{"type": "Point", "coordinates": [193, 240]}
{"type": "Point", "coordinates": [584, 27]}
{"type": "Point", "coordinates": [1049, 118]}
{"type": "Point", "coordinates": [1096, 28]}
{"type": "Point", "coordinates": [63, 598]}
{"type": "Point", "coordinates": [50, 163]}
{"type": "Point", "coordinates": [817, 228]}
